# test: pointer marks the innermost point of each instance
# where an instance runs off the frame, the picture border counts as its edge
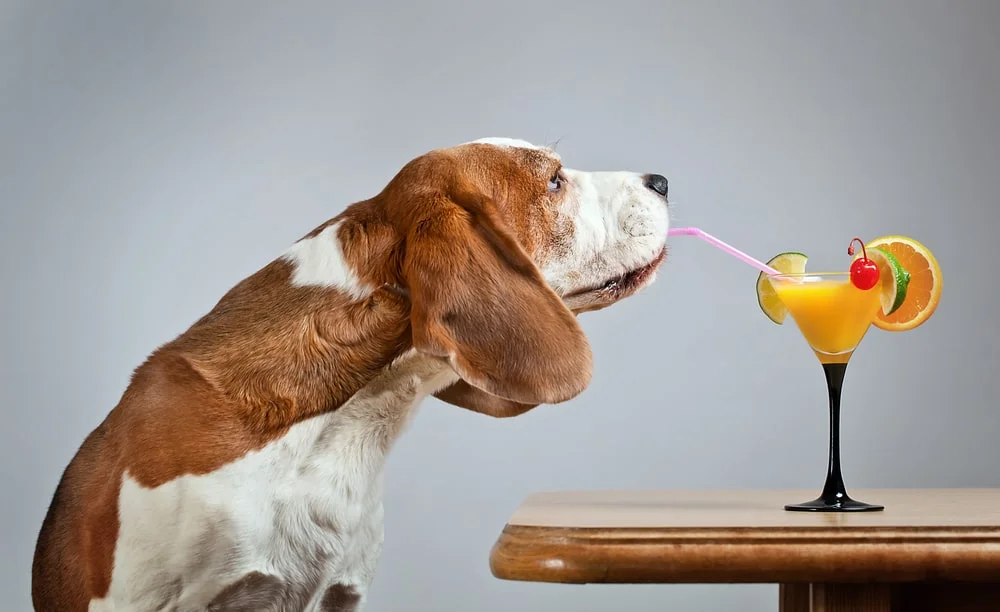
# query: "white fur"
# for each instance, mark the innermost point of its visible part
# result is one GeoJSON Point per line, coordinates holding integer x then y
{"type": "Point", "coordinates": [619, 225]}
{"type": "Point", "coordinates": [515, 143]}
{"type": "Point", "coordinates": [306, 508]}
{"type": "Point", "coordinates": [319, 261]}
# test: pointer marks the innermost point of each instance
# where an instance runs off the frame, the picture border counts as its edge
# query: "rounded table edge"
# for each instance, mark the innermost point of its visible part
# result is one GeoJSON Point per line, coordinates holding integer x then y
{"type": "Point", "coordinates": [745, 555]}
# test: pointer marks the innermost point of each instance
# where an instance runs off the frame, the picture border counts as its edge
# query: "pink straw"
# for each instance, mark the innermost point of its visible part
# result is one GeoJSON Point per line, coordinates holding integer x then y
{"type": "Point", "coordinates": [712, 240]}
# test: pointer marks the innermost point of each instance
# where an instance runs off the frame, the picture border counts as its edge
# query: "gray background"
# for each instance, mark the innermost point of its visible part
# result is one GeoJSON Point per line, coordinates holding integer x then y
{"type": "Point", "coordinates": [151, 156]}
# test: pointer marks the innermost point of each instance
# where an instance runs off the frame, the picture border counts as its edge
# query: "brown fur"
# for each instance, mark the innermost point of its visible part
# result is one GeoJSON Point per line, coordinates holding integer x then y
{"type": "Point", "coordinates": [340, 598]}
{"type": "Point", "coordinates": [450, 257]}
{"type": "Point", "coordinates": [255, 591]}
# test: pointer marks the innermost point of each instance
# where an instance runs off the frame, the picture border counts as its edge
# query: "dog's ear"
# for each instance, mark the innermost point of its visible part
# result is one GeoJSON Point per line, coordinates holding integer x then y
{"type": "Point", "coordinates": [480, 303]}
{"type": "Point", "coordinates": [464, 395]}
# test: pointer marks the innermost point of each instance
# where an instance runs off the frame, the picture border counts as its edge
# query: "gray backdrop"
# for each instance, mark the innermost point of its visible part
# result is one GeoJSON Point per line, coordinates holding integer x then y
{"type": "Point", "coordinates": [154, 155]}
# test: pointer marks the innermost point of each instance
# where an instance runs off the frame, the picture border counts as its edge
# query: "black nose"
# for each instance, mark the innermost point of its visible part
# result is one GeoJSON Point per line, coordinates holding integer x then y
{"type": "Point", "coordinates": [656, 182]}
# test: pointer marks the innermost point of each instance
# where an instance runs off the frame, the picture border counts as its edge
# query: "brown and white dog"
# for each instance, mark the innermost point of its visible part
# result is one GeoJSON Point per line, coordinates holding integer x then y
{"type": "Point", "coordinates": [242, 468]}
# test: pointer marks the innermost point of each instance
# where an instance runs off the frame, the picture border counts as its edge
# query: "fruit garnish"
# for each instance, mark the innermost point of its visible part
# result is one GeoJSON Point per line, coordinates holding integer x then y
{"type": "Point", "coordinates": [894, 278]}
{"type": "Point", "coordinates": [864, 272]}
{"type": "Point", "coordinates": [923, 291]}
{"type": "Point", "coordinates": [767, 297]}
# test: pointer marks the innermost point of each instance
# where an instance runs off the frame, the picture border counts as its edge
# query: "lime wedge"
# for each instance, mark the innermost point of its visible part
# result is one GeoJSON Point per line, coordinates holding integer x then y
{"type": "Point", "coordinates": [893, 278]}
{"type": "Point", "coordinates": [770, 303]}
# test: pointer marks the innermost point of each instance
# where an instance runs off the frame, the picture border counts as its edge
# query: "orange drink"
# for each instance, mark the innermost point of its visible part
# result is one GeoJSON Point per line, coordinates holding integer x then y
{"type": "Point", "coordinates": [832, 314]}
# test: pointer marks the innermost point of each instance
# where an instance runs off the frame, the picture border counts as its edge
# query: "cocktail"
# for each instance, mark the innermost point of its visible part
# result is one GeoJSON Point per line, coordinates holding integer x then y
{"type": "Point", "coordinates": [835, 310]}
{"type": "Point", "coordinates": [833, 315]}
{"type": "Point", "coordinates": [893, 283]}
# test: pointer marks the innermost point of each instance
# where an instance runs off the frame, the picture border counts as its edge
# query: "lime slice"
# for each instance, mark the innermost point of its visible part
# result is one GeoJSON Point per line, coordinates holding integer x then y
{"type": "Point", "coordinates": [893, 278]}
{"type": "Point", "coordinates": [767, 297]}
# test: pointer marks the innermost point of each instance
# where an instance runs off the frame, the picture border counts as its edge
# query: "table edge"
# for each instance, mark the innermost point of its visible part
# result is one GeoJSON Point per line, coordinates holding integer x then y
{"type": "Point", "coordinates": [746, 554]}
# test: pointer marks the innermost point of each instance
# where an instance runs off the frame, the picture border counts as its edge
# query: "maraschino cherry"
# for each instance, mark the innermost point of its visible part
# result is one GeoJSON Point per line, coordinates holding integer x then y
{"type": "Point", "coordinates": [864, 272]}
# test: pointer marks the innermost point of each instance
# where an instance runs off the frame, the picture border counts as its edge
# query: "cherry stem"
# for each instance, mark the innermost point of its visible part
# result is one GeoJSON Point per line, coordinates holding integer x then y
{"type": "Point", "coordinates": [850, 248]}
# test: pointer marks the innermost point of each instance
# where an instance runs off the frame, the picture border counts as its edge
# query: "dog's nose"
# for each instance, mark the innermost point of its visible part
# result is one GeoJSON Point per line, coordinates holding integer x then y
{"type": "Point", "coordinates": [656, 182]}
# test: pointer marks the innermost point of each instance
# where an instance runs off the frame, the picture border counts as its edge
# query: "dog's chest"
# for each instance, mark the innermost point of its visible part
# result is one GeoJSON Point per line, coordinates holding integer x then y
{"type": "Point", "coordinates": [304, 511]}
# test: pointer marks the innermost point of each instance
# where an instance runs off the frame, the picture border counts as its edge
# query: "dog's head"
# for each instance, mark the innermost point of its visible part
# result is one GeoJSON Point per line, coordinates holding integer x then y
{"type": "Point", "coordinates": [503, 246]}
{"type": "Point", "coordinates": [595, 237]}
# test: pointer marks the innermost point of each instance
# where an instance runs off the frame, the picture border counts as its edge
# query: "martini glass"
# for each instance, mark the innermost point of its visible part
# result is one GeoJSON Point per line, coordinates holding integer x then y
{"type": "Point", "coordinates": [833, 316]}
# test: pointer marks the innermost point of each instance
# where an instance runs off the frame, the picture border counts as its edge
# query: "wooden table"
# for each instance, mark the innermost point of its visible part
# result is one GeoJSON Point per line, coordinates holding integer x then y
{"type": "Point", "coordinates": [929, 550]}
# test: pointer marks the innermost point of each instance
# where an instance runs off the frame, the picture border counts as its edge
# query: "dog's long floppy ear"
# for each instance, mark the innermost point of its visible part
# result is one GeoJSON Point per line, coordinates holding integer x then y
{"type": "Point", "coordinates": [479, 302]}
{"type": "Point", "coordinates": [464, 395]}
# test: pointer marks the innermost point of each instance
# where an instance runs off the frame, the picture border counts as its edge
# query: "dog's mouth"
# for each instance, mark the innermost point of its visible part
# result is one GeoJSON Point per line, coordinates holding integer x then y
{"type": "Point", "coordinates": [622, 285]}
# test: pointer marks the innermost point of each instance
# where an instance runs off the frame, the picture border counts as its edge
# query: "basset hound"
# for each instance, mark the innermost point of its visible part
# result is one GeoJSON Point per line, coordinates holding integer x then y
{"type": "Point", "coordinates": [242, 467]}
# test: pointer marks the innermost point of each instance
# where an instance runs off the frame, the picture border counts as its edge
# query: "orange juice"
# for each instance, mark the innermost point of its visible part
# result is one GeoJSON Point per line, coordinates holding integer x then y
{"type": "Point", "coordinates": [832, 314]}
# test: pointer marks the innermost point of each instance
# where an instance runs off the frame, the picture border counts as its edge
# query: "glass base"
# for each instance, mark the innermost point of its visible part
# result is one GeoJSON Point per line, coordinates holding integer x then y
{"type": "Point", "coordinates": [844, 504]}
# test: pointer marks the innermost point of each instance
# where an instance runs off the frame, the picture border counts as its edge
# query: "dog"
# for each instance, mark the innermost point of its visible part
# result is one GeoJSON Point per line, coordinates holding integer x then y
{"type": "Point", "coordinates": [242, 467]}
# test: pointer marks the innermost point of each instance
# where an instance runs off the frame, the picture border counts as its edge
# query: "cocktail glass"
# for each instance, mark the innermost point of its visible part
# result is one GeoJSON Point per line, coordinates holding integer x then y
{"type": "Point", "coordinates": [833, 316]}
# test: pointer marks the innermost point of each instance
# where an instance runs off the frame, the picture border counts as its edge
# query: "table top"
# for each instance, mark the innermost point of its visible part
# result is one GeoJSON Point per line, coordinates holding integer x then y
{"type": "Point", "coordinates": [747, 536]}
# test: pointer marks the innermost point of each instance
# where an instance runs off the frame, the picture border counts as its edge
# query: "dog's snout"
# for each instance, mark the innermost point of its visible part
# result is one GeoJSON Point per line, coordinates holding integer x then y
{"type": "Point", "coordinates": [656, 182]}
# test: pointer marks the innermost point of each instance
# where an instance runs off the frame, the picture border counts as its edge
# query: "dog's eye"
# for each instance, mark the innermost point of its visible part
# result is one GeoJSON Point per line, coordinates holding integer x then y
{"type": "Point", "coordinates": [556, 182]}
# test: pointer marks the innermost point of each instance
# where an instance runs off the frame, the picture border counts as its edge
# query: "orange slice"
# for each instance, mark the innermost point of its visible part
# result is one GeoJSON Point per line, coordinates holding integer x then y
{"type": "Point", "coordinates": [924, 290]}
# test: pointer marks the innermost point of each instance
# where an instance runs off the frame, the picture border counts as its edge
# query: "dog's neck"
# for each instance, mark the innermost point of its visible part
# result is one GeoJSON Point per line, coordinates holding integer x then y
{"type": "Point", "coordinates": [309, 330]}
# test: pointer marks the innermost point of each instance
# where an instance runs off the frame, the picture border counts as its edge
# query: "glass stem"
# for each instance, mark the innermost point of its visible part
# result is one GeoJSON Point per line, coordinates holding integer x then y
{"type": "Point", "coordinates": [834, 491]}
